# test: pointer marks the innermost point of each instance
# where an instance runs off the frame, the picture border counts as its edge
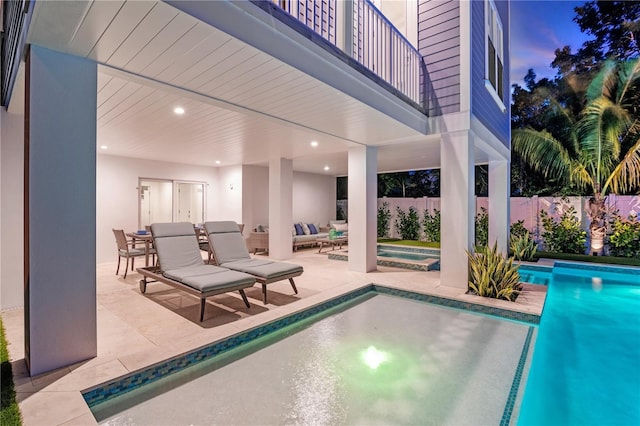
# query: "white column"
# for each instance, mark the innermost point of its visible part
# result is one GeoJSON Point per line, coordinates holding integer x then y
{"type": "Point", "coordinates": [60, 223]}
{"type": "Point", "coordinates": [458, 207]}
{"type": "Point", "coordinates": [280, 208]}
{"type": "Point", "coordinates": [499, 204]}
{"type": "Point", "coordinates": [363, 187]}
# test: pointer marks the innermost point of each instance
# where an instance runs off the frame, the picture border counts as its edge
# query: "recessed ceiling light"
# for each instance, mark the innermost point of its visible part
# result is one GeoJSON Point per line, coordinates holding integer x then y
{"type": "Point", "coordinates": [178, 110]}
{"type": "Point", "coordinates": [217, 161]}
{"type": "Point", "coordinates": [326, 168]}
{"type": "Point", "coordinates": [104, 147]}
{"type": "Point", "coordinates": [314, 143]}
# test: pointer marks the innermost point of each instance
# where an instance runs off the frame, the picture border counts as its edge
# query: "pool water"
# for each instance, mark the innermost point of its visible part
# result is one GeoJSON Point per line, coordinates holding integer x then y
{"type": "Point", "coordinates": [384, 360]}
{"type": "Point", "coordinates": [535, 274]}
{"type": "Point", "coordinates": [586, 363]}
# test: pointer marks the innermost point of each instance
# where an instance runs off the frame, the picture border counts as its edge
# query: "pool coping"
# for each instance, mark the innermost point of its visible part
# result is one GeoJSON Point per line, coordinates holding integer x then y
{"type": "Point", "coordinates": [429, 264]}
{"type": "Point", "coordinates": [104, 392]}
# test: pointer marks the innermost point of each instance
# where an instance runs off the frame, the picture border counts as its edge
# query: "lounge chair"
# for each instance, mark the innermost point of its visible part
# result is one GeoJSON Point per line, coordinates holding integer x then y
{"type": "Point", "coordinates": [181, 266]}
{"type": "Point", "coordinates": [229, 250]}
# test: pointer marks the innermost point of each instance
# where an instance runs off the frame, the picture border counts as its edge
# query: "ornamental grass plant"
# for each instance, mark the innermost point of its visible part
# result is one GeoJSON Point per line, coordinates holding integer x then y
{"type": "Point", "coordinates": [493, 275]}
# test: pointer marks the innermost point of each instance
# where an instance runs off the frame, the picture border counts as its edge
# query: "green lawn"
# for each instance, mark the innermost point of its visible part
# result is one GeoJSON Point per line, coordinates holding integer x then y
{"type": "Point", "coordinates": [9, 412]}
{"type": "Point", "coordinates": [408, 242]}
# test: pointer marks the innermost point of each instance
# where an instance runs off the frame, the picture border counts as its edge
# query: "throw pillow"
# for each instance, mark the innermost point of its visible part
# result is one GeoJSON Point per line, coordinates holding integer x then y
{"type": "Point", "coordinates": [305, 229]}
{"type": "Point", "coordinates": [312, 229]}
{"type": "Point", "coordinates": [341, 227]}
{"type": "Point", "coordinates": [293, 231]}
{"type": "Point", "coordinates": [299, 230]}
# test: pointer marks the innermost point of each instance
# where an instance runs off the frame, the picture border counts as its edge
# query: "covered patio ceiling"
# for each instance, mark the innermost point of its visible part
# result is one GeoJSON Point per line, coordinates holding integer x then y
{"type": "Point", "coordinates": [241, 105]}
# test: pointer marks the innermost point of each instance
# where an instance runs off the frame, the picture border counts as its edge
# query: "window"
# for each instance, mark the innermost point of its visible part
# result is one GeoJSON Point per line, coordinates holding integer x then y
{"type": "Point", "coordinates": [494, 52]}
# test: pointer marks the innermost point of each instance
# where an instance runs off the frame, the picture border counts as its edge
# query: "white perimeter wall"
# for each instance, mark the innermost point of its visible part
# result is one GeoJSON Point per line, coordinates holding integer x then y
{"type": "Point", "coordinates": [526, 209]}
{"type": "Point", "coordinates": [11, 209]}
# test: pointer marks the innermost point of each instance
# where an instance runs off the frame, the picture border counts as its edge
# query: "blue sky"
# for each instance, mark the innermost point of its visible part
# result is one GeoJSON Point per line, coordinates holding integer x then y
{"type": "Point", "coordinates": [538, 28]}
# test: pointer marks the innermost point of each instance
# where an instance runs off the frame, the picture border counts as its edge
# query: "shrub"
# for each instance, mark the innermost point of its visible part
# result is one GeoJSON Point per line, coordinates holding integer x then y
{"type": "Point", "coordinates": [431, 226]}
{"type": "Point", "coordinates": [407, 224]}
{"type": "Point", "coordinates": [624, 240]}
{"type": "Point", "coordinates": [517, 229]}
{"type": "Point", "coordinates": [564, 236]}
{"type": "Point", "coordinates": [493, 275]}
{"type": "Point", "coordinates": [384, 217]}
{"type": "Point", "coordinates": [482, 228]}
{"type": "Point", "coordinates": [523, 247]}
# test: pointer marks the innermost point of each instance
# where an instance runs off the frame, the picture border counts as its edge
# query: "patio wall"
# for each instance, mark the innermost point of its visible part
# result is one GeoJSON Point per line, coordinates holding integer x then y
{"type": "Point", "coordinates": [522, 208]}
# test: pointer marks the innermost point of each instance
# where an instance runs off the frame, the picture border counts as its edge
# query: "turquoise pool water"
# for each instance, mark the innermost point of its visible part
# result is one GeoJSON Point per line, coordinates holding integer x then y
{"type": "Point", "coordinates": [535, 274]}
{"type": "Point", "coordinates": [586, 363]}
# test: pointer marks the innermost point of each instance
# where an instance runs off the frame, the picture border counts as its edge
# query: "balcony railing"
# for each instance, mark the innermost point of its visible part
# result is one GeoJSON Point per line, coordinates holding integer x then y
{"type": "Point", "coordinates": [15, 17]}
{"type": "Point", "coordinates": [364, 33]}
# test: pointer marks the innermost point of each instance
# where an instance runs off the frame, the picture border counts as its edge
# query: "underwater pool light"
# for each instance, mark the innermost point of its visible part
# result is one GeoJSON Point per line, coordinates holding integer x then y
{"type": "Point", "coordinates": [373, 357]}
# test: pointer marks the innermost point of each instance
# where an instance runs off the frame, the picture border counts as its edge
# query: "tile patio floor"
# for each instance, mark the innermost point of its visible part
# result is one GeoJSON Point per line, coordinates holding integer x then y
{"type": "Point", "coordinates": [136, 330]}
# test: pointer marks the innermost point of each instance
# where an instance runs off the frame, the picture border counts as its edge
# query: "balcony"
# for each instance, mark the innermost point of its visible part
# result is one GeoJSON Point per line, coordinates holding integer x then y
{"type": "Point", "coordinates": [361, 31]}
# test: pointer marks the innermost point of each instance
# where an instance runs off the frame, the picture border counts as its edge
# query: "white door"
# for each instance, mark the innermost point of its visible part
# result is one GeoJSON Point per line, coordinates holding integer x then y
{"type": "Point", "coordinates": [156, 202]}
{"type": "Point", "coordinates": [190, 202]}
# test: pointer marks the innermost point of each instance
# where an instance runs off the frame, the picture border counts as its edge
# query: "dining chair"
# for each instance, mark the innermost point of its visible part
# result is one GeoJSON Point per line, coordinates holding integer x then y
{"type": "Point", "coordinates": [126, 250]}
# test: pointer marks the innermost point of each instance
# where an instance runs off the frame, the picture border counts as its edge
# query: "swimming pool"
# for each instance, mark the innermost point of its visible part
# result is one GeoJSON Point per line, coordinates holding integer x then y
{"type": "Point", "coordinates": [406, 257]}
{"type": "Point", "coordinates": [586, 362]}
{"type": "Point", "coordinates": [535, 274]}
{"type": "Point", "coordinates": [361, 363]}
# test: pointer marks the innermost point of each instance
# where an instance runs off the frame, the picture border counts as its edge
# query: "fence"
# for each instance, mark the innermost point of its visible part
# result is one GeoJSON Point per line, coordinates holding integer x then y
{"type": "Point", "coordinates": [521, 208]}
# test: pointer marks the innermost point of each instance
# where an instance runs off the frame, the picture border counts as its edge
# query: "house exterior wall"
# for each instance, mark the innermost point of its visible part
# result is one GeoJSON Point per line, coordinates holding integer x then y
{"type": "Point", "coordinates": [12, 210]}
{"type": "Point", "coordinates": [117, 194]}
{"type": "Point", "coordinates": [314, 197]}
{"type": "Point", "coordinates": [439, 44]}
{"type": "Point", "coordinates": [483, 105]}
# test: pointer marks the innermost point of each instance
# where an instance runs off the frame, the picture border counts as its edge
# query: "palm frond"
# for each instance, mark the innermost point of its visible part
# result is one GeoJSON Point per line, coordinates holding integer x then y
{"type": "Point", "coordinates": [604, 83]}
{"type": "Point", "coordinates": [626, 176]}
{"type": "Point", "coordinates": [581, 176]}
{"type": "Point", "coordinates": [599, 129]}
{"type": "Point", "coordinates": [542, 152]}
{"type": "Point", "coordinates": [628, 74]}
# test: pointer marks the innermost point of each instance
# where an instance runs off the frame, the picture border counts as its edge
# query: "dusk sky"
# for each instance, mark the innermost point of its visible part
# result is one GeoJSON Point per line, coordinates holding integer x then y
{"type": "Point", "coordinates": [538, 28]}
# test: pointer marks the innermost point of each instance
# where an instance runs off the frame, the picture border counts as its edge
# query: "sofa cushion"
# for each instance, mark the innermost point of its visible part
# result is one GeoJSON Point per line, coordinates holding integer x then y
{"type": "Point", "coordinates": [305, 228]}
{"type": "Point", "coordinates": [299, 230]}
{"type": "Point", "coordinates": [312, 229]}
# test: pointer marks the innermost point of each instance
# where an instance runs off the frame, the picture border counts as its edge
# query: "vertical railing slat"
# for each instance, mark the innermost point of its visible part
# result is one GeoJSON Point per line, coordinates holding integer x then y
{"type": "Point", "coordinates": [376, 43]}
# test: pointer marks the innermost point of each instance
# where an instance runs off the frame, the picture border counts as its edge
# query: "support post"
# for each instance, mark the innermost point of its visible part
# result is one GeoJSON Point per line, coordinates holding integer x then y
{"type": "Point", "coordinates": [458, 207]}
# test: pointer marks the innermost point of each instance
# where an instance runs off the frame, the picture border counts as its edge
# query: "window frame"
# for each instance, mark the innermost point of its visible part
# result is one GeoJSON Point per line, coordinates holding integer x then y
{"type": "Point", "coordinates": [494, 37]}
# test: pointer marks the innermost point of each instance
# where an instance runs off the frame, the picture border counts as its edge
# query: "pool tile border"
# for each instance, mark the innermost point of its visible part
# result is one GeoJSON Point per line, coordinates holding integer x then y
{"type": "Point", "coordinates": [434, 266]}
{"type": "Point", "coordinates": [107, 391]}
{"type": "Point", "coordinates": [616, 269]}
{"type": "Point", "coordinates": [517, 379]}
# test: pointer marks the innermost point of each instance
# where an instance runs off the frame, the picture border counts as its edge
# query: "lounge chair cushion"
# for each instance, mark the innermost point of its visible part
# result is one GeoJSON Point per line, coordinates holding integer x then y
{"type": "Point", "coordinates": [228, 244]}
{"type": "Point", "coordinates": [177, 245]}
{"type": "Point", "coordinates": [208, 277]}
{"type": "Point", "coordinates": [265, 269]}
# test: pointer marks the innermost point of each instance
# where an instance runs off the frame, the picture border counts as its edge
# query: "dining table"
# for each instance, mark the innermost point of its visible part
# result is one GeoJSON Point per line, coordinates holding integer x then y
{"type": "Point", "coordinates": [145, 238]}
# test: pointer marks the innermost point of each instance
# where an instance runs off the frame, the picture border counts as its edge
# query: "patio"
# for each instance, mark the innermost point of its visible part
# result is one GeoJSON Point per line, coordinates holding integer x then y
{"type": "Point", "coordinates": [135, 331]}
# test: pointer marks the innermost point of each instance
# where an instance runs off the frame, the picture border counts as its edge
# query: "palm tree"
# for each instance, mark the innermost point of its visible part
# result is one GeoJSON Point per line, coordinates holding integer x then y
{"type": "Point", "coordinates": [597, 151]}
